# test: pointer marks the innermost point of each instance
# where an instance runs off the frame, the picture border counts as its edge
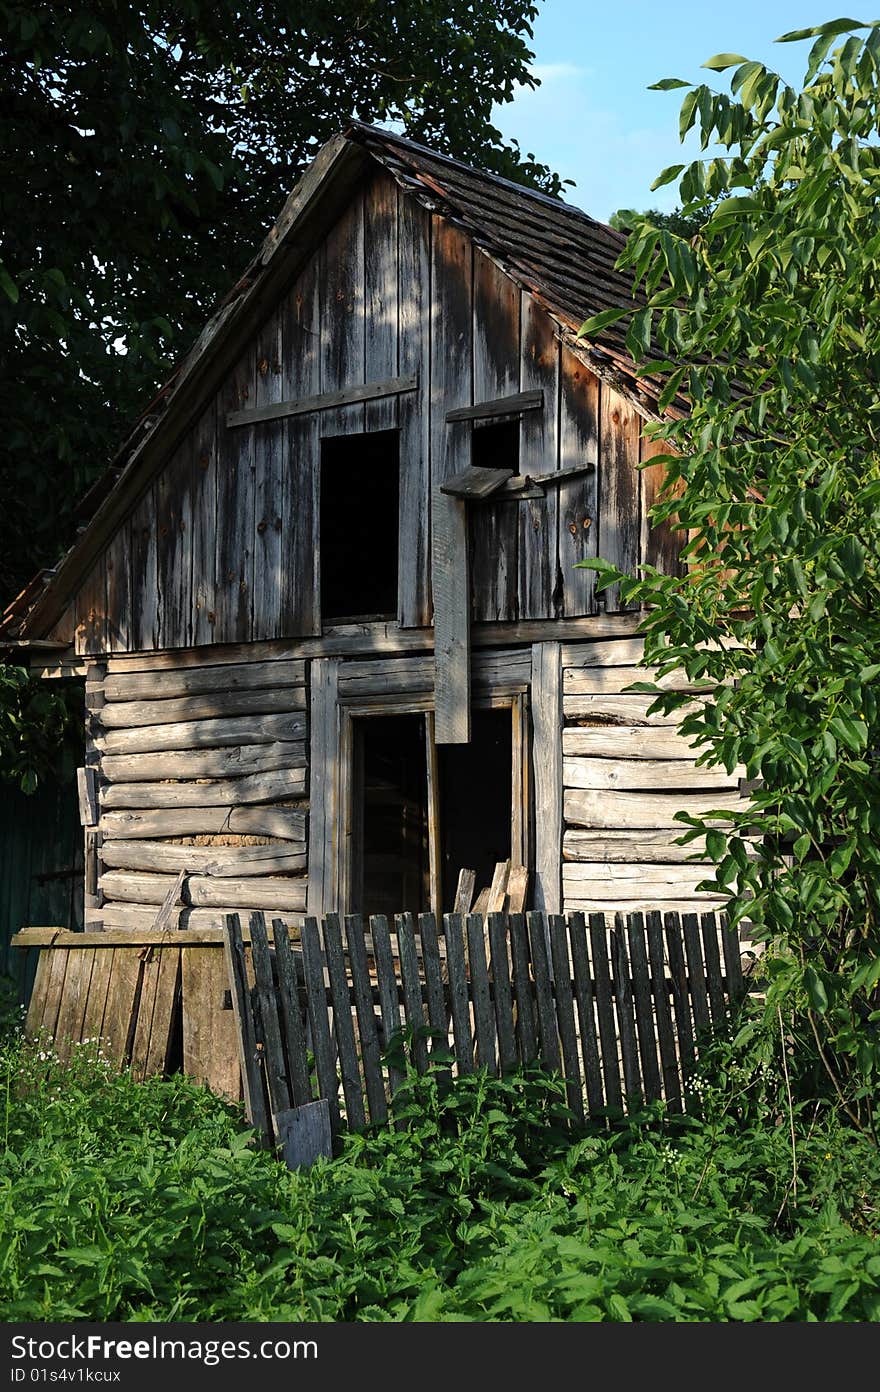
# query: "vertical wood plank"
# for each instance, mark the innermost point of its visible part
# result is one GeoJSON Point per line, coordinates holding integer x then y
{"type": "Point", "coordinates": [342, 317]}
{"type": "Point", "coordinates": [37, 1003]}
{"type": "Point", "coordinates": [584, 996]}
{"type": "Point", "coordinates": [438, 1017]}
{"type": "Point", "coordinates": [663, 1013]}
{"type": "Point", "coordinates": [458, 992]}
{"type": "Point", "coordinates": [619, 521]}
{"type": "Point", "coordinates": [144, 581]}
{"type": "Point", "coordinates": [644, 1006]}
{"type": "Point", "coordinates": [414, 414]}
{"type": "Point", "coordinates": [301, 377]}
{"type": "Point", "coordinates": [324, 784]}
{"type": "Point", "coordinates": [54, 988]}
{"type": "Point", "coordinates": [547, 722]}
{"type": "Point", "coordinates": [563, 984]}
{"type": "Point", "coordinates": [117, 559]}
{"type": "Point", "coordinates": [210, 1048]}
{"type": "Point", "coordinates": [322, 1046]}
{"type": "Point", "coordinates": [173, 493]}
{"type": "Point", "coordinates": [435, 869]}
{"type": "Point", "coordinates": [270, 440]}
{"type": "Point", "coordinates": [578, 497]}
{"type": "Point", "coordinates": [290, 1014]}
{"type": "Point", "coordinates": [165, 1008]}
{"type": "Point", "coordinates": [501, 992]}
{"type": "Point", "coordinates": [343, 1028]}
{"type": "Point", "coordinates": [683, 1025]}
{"type": "Point", "coordinates": [625, 1014]}
{"type": "Point", "coordinates": [452, 648]}
{"type": "Point", "coordinates": [660, 543]}
{"type": "Point", "coordinates": [204, 526]}
{"type": "Point", "coordinates": [72, 1009]}
{"type": "Point", "coordinates": [380, 297]}
{"type": "Point", "coordinates": [690, 925]}
{"type": "Point", "coordinates": [537, 924]}
{"type": "Point", "coordinates": [245, 1034]}
{"type": "Point", "coordinates": [99, 984]}
{"type": "Point", "coordinates": [234, 560]}
{"type": "Point", "coordinates": [122, 1000]}
{"type": "Point", "coordinates": [605, 1011]}
{"type": "Point", "coordinates": [90, 610]}
{"type": "Point", "coordinates": [387, 982]}
{"type": "Point", "coordinates": [146, 1009]}
{"type": "Point", "coordinates": [732, 961]}
{"type": "Point", "coordinates": [494, 527]}
{"type": "Point", "coordinates": [371, 1053]}
{"type": "Point", "coordinates": [267, 1005]}
{"type": "Point", "coordinates": [522, 986]}
{"type": "Point", "coordinates": [714, 980]}
{"type": "Point", "coordinates": [412, 989]}
{"type": "Point", "coordinates": [539, 591]}
{"type": "Point", "coordinates": [484, 1022]}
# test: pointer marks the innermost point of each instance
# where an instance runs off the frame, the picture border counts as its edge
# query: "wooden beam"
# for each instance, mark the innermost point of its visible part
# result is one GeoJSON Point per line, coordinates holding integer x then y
{"type": "Point", "coordinates": [326, 401]}
{"type": "Point", "coordinates": [87, 791]}
{"type": "Point", "coordinates": [501, 406]}
{"type": "Point", "coordinates": [450, 579]}
{"type": "Point", "coordinates": [547, 763]}
{"type": "Point", "coordinates": [476, 484]}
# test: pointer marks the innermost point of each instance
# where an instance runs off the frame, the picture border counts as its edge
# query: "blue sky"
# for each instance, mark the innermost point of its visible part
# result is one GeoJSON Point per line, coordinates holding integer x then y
{"type": "Point", "coordinates": [592, 118]}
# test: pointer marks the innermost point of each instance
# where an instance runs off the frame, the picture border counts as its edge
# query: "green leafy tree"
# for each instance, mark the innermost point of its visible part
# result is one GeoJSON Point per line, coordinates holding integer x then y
{"type": "Point", "coordinates": [146, 148]}
{"type": "Point", "coordinates": [682, 224]}
{"type": "Point", "coordinates": [769, 320]}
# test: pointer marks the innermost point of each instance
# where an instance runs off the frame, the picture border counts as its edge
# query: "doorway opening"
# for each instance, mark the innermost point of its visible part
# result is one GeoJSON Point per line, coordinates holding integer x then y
{"type": "Point", "coordinates": [360, 495]}
{"type": "Point", "coordinates": [476, 787]}
{"type": "Point", "coordinates": [391, 856]}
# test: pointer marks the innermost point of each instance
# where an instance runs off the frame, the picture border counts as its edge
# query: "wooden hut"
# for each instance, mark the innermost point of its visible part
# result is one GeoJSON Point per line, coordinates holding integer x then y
{"type": "Point", "coordinates": [334, 642]}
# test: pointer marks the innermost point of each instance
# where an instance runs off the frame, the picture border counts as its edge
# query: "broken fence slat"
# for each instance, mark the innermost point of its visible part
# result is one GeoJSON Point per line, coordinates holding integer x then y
{"type": "Point", "coordinates": [322, 1045]}
{"type": "Point", "coordinates": [371, 1052]}
{"type": "Point", "coordinates": [290, 1015]}
{"type": "Point", "coordinates": [305, 1134]}
{"type": "Point", "coordinates": [484, 1023]}
{"type": "Point", "coordinates": [412, 990]}
{"type": "Point", "coordinates": [252, 1083]}
{"type": "Point", "coordinates": [266, 1002]}
{"type": "Point", "coordinates": [343, 1027]}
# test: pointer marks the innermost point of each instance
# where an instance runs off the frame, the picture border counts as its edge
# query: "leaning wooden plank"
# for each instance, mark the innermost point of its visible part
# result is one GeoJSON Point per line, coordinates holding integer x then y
{"type": "Point", "coordinates": [630, 847]}
{"type": "Point", "coordinates": [205, 734]}
{"type": "Point", "coordinates": [87, 791]}
{"type": "Point", "coordinates": [322, 1045]}
{"type": "Point", "coordinates": [196, 681]}
{"type": "Point", "coordinates": [265, 999]}
{"type": "Point", "coordinates": [371, 1053]}
{"type": "Point", "coordinates": [714, 981]}
{"type": "Point", "coordinates": [452, 650]}
{"type": "Point", "coordinates": [502, 993]}
{"type": "Point", "coordinates": [203, 891]}
{"type": "Point", "coordinates": [613, 710]}
{"type": "Point", "coordinates": [622, 774]}
{"type": "Point", "coordinates": [562, 979]}
{"type": "Point", "coordinates": [245, 1034]}
{"type": "Point", "coordinates": [221, 862]}
{"type": "Point", "coordinates": [278, 786]}
{"type": "Point", "coordinates": [684, 1032]}
{"type": "Point", "coordinates": [458, 994]}
{"type": "Point", "coordinates": [412, 990]}
{"type": "Point", "coordinates": [343, 1027]}
{"type": "Point", "coordinates": [584, 996]}
{"type": "Point", "coordinates": [522, 989]}
{"type": "Point", "coordinates": [210, 1051]}
{"type": "Point", "coordinates": [464, 892]}
{"type": "Point", "coordinates": [290, 1015]}
{"type": "Point", "coordinates": [641, 991]}
{"type": "Point", "coordinates": [537, 923]}
{"type": "Point", "coordinates": [475, 483]}
{"type": "Point", "coordinates": [605, 1011]}
{"type": "Point", "coordinates": [99, 984]}
{"type": "Point", "coordinates": [286, 823]}
{"type": "Point", "coordinates": [305, 1134]}
{"type": "Point", "coordinates": [479, 980]}
{"type": "Point", "coordinates": [498, 888]}
{"type": "Point", "coordinates": [594, 681]}
{"type": "Point", "coordinates": [635, 742]}
{"type": "Point", "coordinates": [231, 761]}
{"type": "Point", "coordinates": [663, 1012]}
{"type": "Point", "coordinates": [123, 715]}
{"type": "Point", "coordinates": [500, 406]}
{"type": "Point", "coordinates": [651, 811]}
{"type": "Point", "coordinates": [325, 401]}
{"type": "Point", "coordinates": [517, 888]}
{"type": "Point", "coordinates": [170, 898]}
{"type": "Point", "coordinates": [72, 1007]}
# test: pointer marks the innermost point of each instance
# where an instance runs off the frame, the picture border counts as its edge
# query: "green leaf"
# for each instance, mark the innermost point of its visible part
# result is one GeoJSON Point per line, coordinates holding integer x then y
{"type": "Point", "coordinates": [667, 84]}
{"type": "Point", "coordinates": [815, 990]}
{"type": "Point", "coordinates": [834, 26]}
{"type": "Point", "coordinates": [599, 322]}
{"type": "Point", "coordinates": [671, 172]}
{"type": "Point", "coordinates": [10, 289]}
{"type": "Point", "coordinates": [724, 60]}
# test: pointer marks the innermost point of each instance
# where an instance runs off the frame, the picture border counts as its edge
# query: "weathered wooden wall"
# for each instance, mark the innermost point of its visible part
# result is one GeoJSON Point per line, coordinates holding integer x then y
{"type": "Point", "coordinates": [202, 768]}
{"type": "Point", "coordinates": [224, 547]}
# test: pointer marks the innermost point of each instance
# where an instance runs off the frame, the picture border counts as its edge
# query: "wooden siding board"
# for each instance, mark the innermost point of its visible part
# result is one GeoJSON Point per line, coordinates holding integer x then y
{"type": "Point", "coordinates": [414, 416]}
{"type": "Point", "coordinates": [381, 334]}
{"type": "Point", "coordinates": [173, 495]}
{"type": "Point", "coordinates": [342, 317]}
{"type": "Point", "coordinates": [300, 344]}
{"type": "Point", "coordinates": [270, 442]}
{"type": "Point", "coordinates": [118, 564]}
{"type": "Point", "coordinates": [619, 521]}
{"type": "Point", "coordinates": [203, 600]}
{"type": "Point", "coordinates": [578, 503]}
{"type": "Point", "coordinates": [493, 527]}
{"type": "Point", "coordinates": [90, 610]}
{"type": "Point", "coordinates": [539, 591]}
{"type": "Point", "coordinates": [660, 544]}
{"type": "Point", "coordinates": [235, 512]}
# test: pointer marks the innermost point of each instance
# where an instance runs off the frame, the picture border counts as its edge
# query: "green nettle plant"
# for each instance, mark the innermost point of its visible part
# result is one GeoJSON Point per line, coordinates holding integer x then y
{"type": "Point", "coordinates": [768, 321]}
{"type": "Point", "coordinates": [40, 728]}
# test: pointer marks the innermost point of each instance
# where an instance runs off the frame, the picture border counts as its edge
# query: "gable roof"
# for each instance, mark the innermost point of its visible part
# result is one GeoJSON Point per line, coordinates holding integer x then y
{"type": "Point", "coordinates": [560, 255]}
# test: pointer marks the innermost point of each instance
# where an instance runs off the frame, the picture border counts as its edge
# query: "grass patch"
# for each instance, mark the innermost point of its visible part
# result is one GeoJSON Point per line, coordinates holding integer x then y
{"type": "Point", "coordinates": [128, 1201]}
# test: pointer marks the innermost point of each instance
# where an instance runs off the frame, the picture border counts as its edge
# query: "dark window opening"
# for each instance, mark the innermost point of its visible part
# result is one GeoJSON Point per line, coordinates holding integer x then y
{"type": "Point", "coordinates": [475, 801]}
{"type": "Point", "coordinates": [360, 487]}
{"type": "Point", "coordinates": [391, 866]}
{"type": "Point", "coordinates": [496, 446]}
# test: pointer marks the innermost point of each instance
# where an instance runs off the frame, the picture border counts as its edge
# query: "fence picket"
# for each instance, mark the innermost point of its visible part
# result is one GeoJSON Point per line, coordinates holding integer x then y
{"type": "Point", "coordinates": [387, 980]}
{"type": "Point", "coordinates": [714, 979]}
{"type": "Point", "coordinates": [484, 1022]}
{"type": "Point", "coordinates": [502, 993]}
{"type": "Point", "coordinates": [583, 985]}
{"type": "Point", "coordinates": [683, 1026]}
{"type": "Point", "coordinates": [273, 1050]}
{"type": "Point", "coordinates": [252, 1083]}
{"type": "Point", "coordinates": [623, 999]}
{"type": "Point", "coordinates": [732, 961]}
{"type": "Point", "coordinates": [663, 1013]}
{"type": "Point", "coordinates": [562, 978]}
{"type": "Point", "coordinates": [522, 988]}
{"type": "Point", "coordinates": [458, 992]}
{"type": "Point", "coordinates": [371, 1053]}
{"type": "Point", "coordinates": [343, 1027]}
{"type": "Point", "coordinates": [291, 1015]}
{"type": "Point", "coordinates": [641, 989]}
{"type": "Point", "coordinates": [537, 923]}
{"type": "Point", "coordinates": [438, 1017]}
{"type": "Point", "coordinates": [605, 1011]}
{"type": "Point", "coordinates": [322, 1044]}
{"type": "Point", "coordinates": [412, 991]}
{"type": "Point", "coordinates": [690, 926]}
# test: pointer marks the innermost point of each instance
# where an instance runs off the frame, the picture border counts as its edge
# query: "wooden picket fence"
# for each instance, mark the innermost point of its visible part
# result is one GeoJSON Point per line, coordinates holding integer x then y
{"type": "Point", "coordinates": [620, 1008]}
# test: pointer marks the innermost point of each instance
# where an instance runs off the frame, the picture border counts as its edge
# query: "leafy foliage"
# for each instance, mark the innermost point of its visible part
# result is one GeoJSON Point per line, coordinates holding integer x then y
{"type": "Point", "coordinates": [769, 320]}
{"type": "Point", "coordinates": [40, 728]}
{"type": "Point", "coordinates": [123, 1201]}
{"type": "Point", "coordinates": [682, 224]}
{"type": "Point", "coordinates": [147, 147]}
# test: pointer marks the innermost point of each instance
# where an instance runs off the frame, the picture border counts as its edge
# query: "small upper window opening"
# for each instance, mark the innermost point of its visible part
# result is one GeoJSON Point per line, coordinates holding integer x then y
{"type": "Point", "coordinates": [496, 446]}
{"type": "Point", "coordinates": [360, 494]}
